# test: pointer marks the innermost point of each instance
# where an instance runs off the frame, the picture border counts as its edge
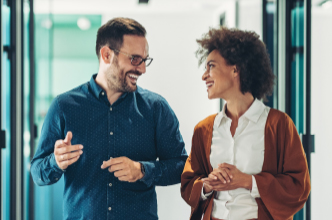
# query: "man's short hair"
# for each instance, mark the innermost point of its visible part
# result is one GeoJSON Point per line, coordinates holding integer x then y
{"type": "Point", "coordinates": [245, 50]}
{"type": "Point", "coordinates": [111, 33]}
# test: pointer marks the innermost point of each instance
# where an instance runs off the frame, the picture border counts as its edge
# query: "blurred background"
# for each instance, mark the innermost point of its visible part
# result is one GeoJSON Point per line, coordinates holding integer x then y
{"type": "Point", "coordinates": [47, 48]}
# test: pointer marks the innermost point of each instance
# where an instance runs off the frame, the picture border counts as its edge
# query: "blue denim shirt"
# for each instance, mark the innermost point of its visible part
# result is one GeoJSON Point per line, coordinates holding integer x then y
{"type": "Point", "coordinates": [139, 125]}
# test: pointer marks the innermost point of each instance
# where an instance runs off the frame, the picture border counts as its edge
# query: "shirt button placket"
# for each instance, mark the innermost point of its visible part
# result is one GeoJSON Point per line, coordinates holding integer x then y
{"type": "Point", "coordinates": [110, 190]}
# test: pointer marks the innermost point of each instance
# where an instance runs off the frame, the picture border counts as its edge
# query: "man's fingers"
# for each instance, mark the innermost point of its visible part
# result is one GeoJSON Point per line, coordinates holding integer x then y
{"type": "Point", "coordinates": [68, 138]}
{"type": "Point", "coordinates": [117, 167]}
{"type": "Point", "coordinates": [70, 148]}
{"type": "Point", "coordinates": [73, 160]}
{"type": "Point", "coordinates": [121, 173]}
{"type": "Point", "coordinates": [112, 162]}
{"type": "Point", "coordinates": [69, 156]}
{"type": "Point", "coordinates": [59, 143]}
{"type": "Point", "coordinates": [65, 163]}
{"type": "Point", "coordinates": [117, 160]}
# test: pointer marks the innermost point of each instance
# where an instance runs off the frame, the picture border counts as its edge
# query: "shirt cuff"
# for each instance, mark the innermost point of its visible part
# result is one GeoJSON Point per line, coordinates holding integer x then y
{"type": "Point", "coordinates": [205, 196]}
{"type": "Point", "coordinates": [148, 169]}
{"type": "Point", "coordinates": [254, 189]}
{"type": "Point", "coordinates": [55, 165]}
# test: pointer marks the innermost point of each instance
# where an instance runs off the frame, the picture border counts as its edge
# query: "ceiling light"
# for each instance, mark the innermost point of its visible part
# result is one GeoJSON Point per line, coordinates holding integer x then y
{"type": "Point", "coordinates": [47, 23]}
{"type": "Point", "coordinates": [83, 23]}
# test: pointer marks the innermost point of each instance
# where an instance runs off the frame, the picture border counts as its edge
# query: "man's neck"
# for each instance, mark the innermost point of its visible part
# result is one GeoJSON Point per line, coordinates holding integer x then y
{"type": "Point", "coordinates": [112, 95]}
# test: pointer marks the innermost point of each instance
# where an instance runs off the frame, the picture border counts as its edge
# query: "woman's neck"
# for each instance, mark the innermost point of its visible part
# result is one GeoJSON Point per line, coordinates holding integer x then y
{"type": "Point", "coordinates": [237, 106]}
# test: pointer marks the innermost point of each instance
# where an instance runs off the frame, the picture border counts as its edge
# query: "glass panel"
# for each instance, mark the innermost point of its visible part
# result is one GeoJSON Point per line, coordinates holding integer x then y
{"type": "Point", "coordinates": [270, 45]}
{"type": "Point", "coordinates": [43, 56]}
{"type": "Point", "coordinates": [297, 98]}
{"type": "Point", "coordinates": [297, 73]}
{"type": "Point", "coordinates": [26, 106]}
{"type": "Point", "coordinates": [63, 51]}
{"type": "Point", "coordinates": [5, 81]}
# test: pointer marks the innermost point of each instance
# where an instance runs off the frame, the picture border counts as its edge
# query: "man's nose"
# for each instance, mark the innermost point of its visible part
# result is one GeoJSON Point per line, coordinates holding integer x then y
{"type": "Point", "coordinates": [141, 68]}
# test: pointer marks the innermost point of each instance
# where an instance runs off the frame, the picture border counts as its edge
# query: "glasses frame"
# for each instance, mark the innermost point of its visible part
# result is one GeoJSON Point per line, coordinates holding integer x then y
{"type": "Point", "coordinates": [132, 57]}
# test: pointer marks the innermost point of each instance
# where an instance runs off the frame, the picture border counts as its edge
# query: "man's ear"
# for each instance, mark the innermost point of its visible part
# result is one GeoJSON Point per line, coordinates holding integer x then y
{"type": "Point", "coordinates": [106, 54]}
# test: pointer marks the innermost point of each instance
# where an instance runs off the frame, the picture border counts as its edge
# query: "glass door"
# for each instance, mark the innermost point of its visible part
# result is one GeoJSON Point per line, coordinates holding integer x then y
{"type": "Point", "coordinates": [26, 109]}
{"type": "Point", "coordinates": [298, 93]}
{"type": "Point", "coordinates": [5, 111]}
{"type": "Point", "coordinates": [297, 74]}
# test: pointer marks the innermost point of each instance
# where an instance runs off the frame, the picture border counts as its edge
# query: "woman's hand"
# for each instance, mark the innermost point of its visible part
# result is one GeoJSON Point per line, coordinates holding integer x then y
{"type": "Point", "coordinates": [216, 177]}
{"type": "Point", "coordinates": [206, 187]}
{"type": "Point", "coordinates": [227, 177]}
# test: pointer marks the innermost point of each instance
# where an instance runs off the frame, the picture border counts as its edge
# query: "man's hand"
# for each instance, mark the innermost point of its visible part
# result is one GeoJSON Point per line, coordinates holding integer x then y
{"type": "Point", "coordinates": [237, 179]}
{"type": "Point", "coordinates": [124, 169]}
{"type": "Point", "coordinates": [65, 153]}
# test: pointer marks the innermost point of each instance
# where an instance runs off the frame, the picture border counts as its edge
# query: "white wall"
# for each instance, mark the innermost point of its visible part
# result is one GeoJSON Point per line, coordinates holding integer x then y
{"type": "Point", "coordinates": [321, 106]}
{"type": "Point", "coordinates": [250, 16]}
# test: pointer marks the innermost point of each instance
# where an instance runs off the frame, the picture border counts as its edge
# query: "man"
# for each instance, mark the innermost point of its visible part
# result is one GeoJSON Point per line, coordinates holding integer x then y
{"type": "Point", "coordinates": [112, 140]}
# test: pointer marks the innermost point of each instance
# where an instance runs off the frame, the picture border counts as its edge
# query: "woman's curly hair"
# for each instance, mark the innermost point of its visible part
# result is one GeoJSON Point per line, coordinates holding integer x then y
{"type": "Point", "coordinates": [247, 52]}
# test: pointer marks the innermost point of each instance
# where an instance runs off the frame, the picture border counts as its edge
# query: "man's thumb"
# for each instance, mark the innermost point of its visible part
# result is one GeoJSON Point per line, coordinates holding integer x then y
{"type": "Point", "coordinates": [68, 138]}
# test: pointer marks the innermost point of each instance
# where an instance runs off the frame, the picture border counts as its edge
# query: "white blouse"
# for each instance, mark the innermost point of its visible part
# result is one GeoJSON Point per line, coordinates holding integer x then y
{"type": "Point", "coordinates": [246, 151]}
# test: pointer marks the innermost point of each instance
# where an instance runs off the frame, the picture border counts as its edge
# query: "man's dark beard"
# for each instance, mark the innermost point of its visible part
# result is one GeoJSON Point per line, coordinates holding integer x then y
{"type": "Point", "coordinates": [121, 85]}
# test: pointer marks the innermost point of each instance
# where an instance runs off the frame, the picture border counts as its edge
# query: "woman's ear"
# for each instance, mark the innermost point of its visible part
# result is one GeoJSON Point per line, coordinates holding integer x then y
{"type": "Point", "coordinates": [106, 54]}
{"type": "Point", "coordinates": [236, 72]}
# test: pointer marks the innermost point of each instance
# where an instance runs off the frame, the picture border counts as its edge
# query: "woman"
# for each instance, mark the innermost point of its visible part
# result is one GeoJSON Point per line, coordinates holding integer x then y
{"type": "Point", "coordinates": [247, 161]}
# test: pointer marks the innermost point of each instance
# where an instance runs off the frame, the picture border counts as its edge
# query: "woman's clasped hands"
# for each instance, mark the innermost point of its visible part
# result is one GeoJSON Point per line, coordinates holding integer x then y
{"type": "Point", "coordinates": [226, 177]}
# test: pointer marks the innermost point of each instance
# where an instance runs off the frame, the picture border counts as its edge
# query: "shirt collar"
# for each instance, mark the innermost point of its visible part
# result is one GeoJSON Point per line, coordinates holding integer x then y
{"type": "Point", "coordinates": [97, 90]}
{"type": "Point", "coordinates": [253, 113]}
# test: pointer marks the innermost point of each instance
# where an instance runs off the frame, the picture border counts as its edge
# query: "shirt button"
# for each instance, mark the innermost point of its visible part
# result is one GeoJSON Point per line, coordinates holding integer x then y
{"type": "Point", "coordinates": [110, 184]}
{"type": "Point", "coordinates": [102, 93]}
{"type": "Point", "coordinates": [110, 109]}
{"type": "Point", "coordinates": [109, 208]}
{"type": "Point", "coordinates": [56, 178]}
{"type": "Point", "coordinates": [111, 133]}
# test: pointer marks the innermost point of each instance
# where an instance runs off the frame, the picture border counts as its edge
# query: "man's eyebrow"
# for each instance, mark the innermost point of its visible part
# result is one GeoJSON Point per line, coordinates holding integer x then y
{"type": "Point", "coordinates": [137, 55]}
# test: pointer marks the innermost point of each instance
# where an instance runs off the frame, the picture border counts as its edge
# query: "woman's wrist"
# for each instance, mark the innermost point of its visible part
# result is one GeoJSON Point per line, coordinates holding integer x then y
{"type": "Point", "coordinates": [206, 189]}
{"type": "Point", "coordinates": [248, 182]}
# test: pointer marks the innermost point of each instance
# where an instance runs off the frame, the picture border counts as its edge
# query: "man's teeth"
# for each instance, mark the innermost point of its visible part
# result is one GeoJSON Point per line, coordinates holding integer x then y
{"type": "Point", "coordinates": [133, 76]}
{"type": "Point", "coordinates": [209, 84]}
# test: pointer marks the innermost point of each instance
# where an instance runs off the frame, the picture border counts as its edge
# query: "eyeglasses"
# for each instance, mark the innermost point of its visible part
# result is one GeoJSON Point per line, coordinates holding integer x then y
{"type": "Point", "coordinates": [135, 59]}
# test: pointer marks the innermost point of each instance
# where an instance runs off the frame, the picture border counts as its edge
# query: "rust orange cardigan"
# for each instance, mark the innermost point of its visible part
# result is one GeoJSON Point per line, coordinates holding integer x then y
{"type": "Point", "coordinates": [283, 184]}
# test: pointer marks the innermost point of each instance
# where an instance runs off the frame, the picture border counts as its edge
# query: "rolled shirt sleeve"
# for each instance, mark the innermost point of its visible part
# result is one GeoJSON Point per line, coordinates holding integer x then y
{"type": "Point", "coordinates": [254, 190]}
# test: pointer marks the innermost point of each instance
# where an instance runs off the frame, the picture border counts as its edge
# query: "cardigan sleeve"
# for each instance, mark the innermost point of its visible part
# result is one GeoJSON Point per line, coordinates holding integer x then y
{"type": "Point", "coordinates": [284, 193]}
{"type": "Point", "coordinates": [191, 183]}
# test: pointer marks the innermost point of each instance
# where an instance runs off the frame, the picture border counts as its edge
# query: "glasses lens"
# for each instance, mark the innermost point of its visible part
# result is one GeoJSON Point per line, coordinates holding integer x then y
{"type": "Point", "coordinates": [148, 61]}
{"type": "Point", "coordinates": [136, 60]}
